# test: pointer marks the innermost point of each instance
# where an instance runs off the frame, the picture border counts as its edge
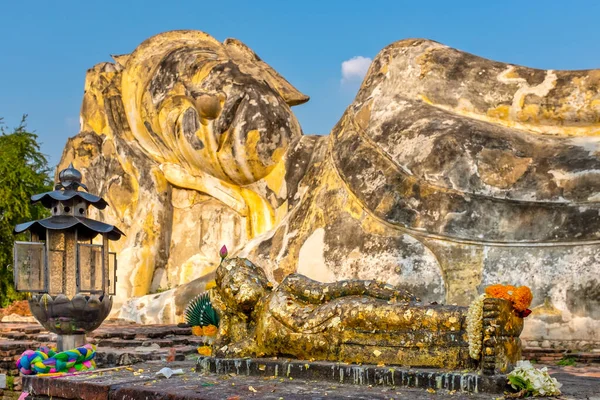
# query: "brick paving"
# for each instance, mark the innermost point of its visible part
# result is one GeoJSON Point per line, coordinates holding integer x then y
{"type": "Point", "coordinates": [551, 356]}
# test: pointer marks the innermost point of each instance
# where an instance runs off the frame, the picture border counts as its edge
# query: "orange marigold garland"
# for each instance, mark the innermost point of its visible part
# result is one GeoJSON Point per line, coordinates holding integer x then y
{"type": "Point", "coordinates": [520, 297]}
{"type": "Point", "coordinates": [205, 351]}
{"type": "Point", "coordinates": [197, 331]}
{"type": "Point", "coordinates": [500, 291]}
{"type": "Point", "coordinates": [210, 330]}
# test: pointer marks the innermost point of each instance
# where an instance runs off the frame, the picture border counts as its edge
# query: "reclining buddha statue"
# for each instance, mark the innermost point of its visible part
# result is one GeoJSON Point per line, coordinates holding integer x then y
{"type": "Point", "coordinates": [448, 172]}
{"type": "Point", "coordinates": [353, 321]}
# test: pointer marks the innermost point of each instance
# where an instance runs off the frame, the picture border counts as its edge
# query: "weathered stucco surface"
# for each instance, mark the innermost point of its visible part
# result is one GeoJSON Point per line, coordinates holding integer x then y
{"type": "Point", "coordinates": [447, 173]}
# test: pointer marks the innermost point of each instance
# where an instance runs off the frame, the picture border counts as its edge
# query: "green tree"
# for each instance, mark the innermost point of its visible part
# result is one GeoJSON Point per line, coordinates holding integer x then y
{"type": "Point", "coordinates": [23, 172]}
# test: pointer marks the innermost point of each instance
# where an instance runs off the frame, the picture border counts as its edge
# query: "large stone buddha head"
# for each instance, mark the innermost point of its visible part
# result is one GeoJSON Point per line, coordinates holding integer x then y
{"type": "Point", "coordinates": [208, 106]}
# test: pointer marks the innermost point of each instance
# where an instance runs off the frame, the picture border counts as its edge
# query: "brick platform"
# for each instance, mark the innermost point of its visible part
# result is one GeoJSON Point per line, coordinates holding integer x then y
{"type": "Point", "coordinates": [117, 344]}
{"type": "Point", "coordinates": [127, 344]}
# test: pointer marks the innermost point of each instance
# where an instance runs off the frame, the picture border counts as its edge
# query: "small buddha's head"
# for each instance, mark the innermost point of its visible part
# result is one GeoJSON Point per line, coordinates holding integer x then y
{"type": "Point", "coordinates": [209, 106]}
{"type": "Point", "coordinates": [241, 284]}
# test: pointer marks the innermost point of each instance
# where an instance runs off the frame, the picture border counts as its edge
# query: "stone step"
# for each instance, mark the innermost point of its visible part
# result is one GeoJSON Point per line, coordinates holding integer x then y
{"type": "Point", "coordinates": [543, 350]}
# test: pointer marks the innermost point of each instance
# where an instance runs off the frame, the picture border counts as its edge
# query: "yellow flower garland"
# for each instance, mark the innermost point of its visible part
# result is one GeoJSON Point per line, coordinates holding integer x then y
{"type": "Point", "coordinates": [475, 326]}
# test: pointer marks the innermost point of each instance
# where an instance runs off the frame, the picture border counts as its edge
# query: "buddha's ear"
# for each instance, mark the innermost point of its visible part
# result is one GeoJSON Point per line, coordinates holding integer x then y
{"type": "Point", "coordinates": [290, 94]}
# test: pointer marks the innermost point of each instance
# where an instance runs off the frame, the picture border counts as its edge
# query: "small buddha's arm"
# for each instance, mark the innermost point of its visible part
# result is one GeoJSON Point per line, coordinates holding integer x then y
{"type": "Point", "coordinates": [315, 292]}
{"type": "Point", "coordinates": [233, 337]}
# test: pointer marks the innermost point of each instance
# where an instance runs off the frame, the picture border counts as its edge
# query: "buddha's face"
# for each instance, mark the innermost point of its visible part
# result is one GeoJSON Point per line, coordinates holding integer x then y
{"type": "Point", "coordinates": [209, 106]}
{"type": "Point", "coordinates": [241, 284]}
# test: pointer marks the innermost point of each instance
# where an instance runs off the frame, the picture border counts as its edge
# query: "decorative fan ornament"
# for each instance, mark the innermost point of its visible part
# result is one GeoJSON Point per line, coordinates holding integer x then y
{"type": "Point", "coordinates": [200, 312]}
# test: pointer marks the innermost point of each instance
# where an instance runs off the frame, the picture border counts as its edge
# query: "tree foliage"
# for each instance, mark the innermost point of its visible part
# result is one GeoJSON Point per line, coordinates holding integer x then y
{"type": "Point", "coordinates": [24, 172]}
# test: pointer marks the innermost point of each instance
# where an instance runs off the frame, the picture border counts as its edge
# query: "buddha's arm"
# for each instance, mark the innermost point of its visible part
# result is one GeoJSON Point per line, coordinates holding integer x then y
{"type": "Point", "coordinates": [314, 292]}
{"type": "Point", "coordinates": [233, 338]}
{"type": "Point", "coordinates": [244, 201]}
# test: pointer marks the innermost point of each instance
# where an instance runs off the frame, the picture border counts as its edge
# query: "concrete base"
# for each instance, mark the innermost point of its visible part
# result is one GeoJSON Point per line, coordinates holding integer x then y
{"type": "Point", "coordinates": [364, 375]}
{"type": "Point", "coordinates": [68, 342]}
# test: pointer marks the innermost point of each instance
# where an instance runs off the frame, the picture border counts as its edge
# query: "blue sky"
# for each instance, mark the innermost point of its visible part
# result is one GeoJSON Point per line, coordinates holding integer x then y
{"type": "Point", "coordinates": [46, 46]}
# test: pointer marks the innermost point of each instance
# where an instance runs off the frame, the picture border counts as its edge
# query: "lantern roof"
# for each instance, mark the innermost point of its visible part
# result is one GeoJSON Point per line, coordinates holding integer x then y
{"type": "Point", "coordinates": [63, 195]}
{"type": "Point", "coordinates": [68, 188]}
{"type": "Point", "coordinates": [86, 228]}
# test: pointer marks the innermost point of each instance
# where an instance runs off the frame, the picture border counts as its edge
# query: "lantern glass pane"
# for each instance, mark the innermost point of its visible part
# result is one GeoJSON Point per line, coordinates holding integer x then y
{"type": "Point", "coordinates": [112, 273]}
{"type": "Point", "coordinates": [56, 262]}
{"type": "Point", "coordinates": [29, 267]}
{"type": "Point", "coordinates": [90, 268]}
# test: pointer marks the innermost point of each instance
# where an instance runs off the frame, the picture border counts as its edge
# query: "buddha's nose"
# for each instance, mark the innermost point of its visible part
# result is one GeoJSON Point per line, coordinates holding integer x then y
{"type": "Point", "coordinates": [209, 106]}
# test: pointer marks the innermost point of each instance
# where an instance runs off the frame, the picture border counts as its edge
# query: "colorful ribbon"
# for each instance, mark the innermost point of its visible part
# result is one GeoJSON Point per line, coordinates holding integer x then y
{"type": "Point", "coordinates": [46, 361]}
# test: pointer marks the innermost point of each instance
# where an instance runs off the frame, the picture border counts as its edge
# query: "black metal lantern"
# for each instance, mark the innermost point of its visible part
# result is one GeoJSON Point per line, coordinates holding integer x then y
{"type": "Point", "coordinates": [71, 277]}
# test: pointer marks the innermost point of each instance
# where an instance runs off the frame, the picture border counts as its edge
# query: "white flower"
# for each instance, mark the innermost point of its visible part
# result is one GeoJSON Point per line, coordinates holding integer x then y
{"type": "Point", "coordinates": [536, 382]}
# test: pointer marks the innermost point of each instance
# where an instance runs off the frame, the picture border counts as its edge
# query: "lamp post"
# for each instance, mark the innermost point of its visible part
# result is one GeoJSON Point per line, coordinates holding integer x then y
{"type": "Point", "coordinates": [70, 277]}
